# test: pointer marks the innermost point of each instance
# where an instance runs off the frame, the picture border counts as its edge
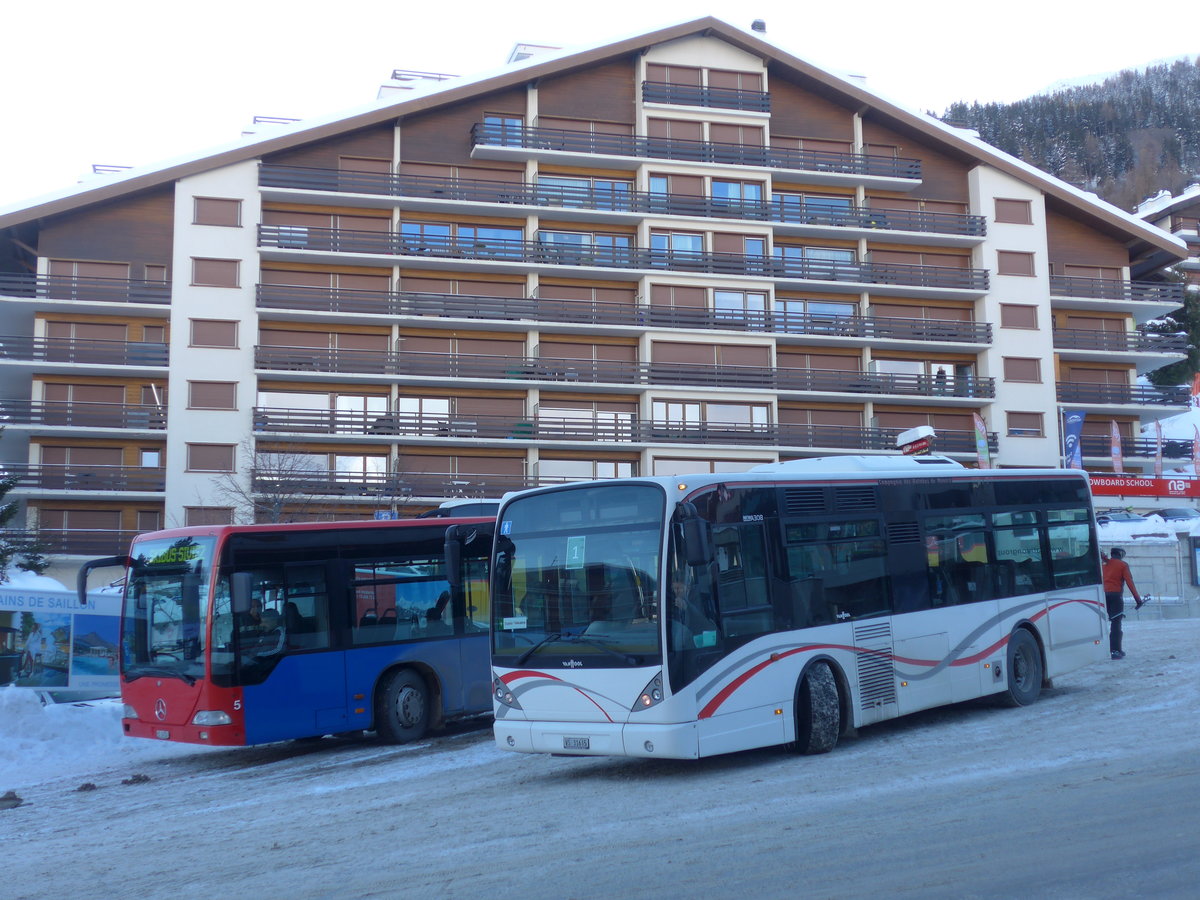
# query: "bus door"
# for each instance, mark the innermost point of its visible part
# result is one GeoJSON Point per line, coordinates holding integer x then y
{"type": "Point", "coordinates": [293, 675]}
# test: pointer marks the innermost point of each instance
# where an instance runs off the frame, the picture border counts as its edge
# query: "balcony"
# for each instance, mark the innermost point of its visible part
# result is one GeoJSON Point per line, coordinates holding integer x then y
{"type": "Point", "coordinates": [72, 542]}
{"type": "Point", "coordinates": [845, 276]}
{"type": "Point", "coordinates": [563, 371]}
{"type": "Point", "coordinates": [1123, 394]}
{"type": "Point", "coordinates": [76, 351]}
{"type": "Point", "coordinates": [385, 486]}
{"type": "Point", "coordinates": [695, 95]}
{"type": "Point", "coordinates": [393, 304]}
{"type": "Point", "coordinates": [1074, 288]}
{"type": "Point", "coordinates": [634, 203]}
{"type": "Point", "coordinates": [1101, 446]}
{"type": "Point", "coordinates": [83, 415]}
{"type": "Point", "coordinates": [1119, 341]}
{"type": "Point", "coordinates": [95, 290]}
{"type": "Point", "coordinates": [499, 141]}
{"type": "Point", "coordinates": [90, 478]}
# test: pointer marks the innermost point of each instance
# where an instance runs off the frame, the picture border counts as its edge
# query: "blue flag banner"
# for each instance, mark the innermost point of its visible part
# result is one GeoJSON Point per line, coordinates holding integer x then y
{"type": "Point", "coordinates": [1072, 431]}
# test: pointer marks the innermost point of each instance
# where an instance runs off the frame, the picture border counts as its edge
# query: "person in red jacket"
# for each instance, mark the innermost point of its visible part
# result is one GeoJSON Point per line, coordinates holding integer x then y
{"type": "Point", "coordinates": [1116, 576]}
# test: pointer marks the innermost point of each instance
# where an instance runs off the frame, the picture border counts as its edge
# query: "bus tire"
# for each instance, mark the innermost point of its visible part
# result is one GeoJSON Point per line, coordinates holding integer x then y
{"type": "Point", "coordinates": [1025, 670]}
{"type": "Point", "coordinates": [402, 707]}
{"type": "Point", "coordinates": [818, 710]}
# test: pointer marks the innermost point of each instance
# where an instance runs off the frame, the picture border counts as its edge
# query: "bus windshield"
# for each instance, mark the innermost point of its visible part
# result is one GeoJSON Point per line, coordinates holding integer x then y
{"type": "Point", "coordinates": [576, 577]}
{"type": "Point", "coordinates": [166, 603]}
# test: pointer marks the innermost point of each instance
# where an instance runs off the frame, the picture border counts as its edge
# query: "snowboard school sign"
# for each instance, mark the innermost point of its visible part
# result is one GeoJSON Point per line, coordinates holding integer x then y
{"type": "Point", "coordinates": [49, 641]}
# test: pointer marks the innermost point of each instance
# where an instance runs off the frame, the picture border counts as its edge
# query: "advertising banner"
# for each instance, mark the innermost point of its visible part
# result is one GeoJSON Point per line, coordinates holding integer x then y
{"type": "Point", "coordinates": [1072, 446]}
{"type": "Point", "coordinates": [1118, 455]}
{"type": "Point", "coordinates": [49, 642]}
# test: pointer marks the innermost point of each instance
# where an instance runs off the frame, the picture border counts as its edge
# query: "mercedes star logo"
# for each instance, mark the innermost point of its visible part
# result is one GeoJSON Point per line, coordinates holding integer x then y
{"type": "Point", "coordinates": [160, 708]}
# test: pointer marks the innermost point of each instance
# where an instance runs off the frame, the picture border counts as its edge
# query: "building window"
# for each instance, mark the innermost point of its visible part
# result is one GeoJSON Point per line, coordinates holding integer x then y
{"type": "Point", "coordinates": [210, 457]}
{"type": "Point", "coordinates": [1009, 262]}
{"type": "Point", "coordinates": [1014, 212]}
{"type": "Point", "coordinates": [1013, 315]}
{"type": "Point", "coordinates": [212, 395]}
{"type": "Point", "coordinates": [1022, 369]}
{"type": "Point", "coordinates": [1025, 424]}
{"type": "Point", "coordinates": [214, 333]}
{"type": "Point", "coordinates": [223, 273]}
{"type": "Point", "coordinates": [217, 211]}
{"type": "Point", "coordinates": [503, 129]}
{"type": "Point", "coordinates": [150, 458]}
{"type": "Point", "coordinates": [208, 515]}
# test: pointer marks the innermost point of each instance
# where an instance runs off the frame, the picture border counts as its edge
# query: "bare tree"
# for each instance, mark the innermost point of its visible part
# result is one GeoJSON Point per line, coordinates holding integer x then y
{"type": "Point", "coordinates": [280, 484]}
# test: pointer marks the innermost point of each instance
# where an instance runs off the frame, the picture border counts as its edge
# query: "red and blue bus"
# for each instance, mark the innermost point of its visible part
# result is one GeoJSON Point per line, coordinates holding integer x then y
{"type": "Point", "coordinates": [246, 634]}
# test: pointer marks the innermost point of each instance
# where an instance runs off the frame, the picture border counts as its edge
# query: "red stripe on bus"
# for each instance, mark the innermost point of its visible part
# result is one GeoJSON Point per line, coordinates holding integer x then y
{"type": "Point", "coordinates": [510, 677]}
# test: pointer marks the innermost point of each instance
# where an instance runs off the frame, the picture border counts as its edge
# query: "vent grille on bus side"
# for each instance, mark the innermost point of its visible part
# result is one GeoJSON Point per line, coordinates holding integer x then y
{"type": "Point", "coordinates": [903, 533]}
{"type": "Point", "coordinates": [797, 501]}
{"type": "Point", "coordinates": [876, 675]}
{"type": "Point", "coordinates": [854, 498]}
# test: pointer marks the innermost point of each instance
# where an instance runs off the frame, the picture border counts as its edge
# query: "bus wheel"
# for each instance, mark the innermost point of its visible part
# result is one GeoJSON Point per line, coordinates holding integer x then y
{"type": "Point", "coordinates": [1024, 670]}
{"type": "Point", "coordinates": [402, 707]}
{"type": "Point", "coordinates": [818, 711]}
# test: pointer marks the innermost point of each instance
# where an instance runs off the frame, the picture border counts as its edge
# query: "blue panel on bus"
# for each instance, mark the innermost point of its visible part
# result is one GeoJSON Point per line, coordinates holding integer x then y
{"type": "Point", "coordinates": [304, 695]}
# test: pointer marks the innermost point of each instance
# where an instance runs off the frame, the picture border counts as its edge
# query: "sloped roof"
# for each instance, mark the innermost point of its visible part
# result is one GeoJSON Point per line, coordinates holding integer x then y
{"type": "Point", "coordinates": [1139, 236]}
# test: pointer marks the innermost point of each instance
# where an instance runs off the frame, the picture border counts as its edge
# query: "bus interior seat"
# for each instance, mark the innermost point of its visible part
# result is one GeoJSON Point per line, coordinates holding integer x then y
{"type": "Point", "coordinates": [388, 617]}
{"type": "Point", "coordinates": [368, 618]}
{"type": "Point", "coordinates": [434, 623]}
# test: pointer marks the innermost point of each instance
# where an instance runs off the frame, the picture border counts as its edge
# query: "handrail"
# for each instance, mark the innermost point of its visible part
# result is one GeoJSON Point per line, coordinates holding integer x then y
{"type": "Point", "coordinates": [82, 350]}
{"type": "Point", "coordinates": [70, 287]}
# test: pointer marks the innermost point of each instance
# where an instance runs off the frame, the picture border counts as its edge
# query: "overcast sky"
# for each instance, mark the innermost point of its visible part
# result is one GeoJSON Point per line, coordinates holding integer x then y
{"type": "Point", "coordinates": [134, 82]}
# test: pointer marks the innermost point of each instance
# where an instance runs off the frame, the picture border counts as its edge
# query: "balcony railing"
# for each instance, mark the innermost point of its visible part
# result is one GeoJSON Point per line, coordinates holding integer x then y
{"type": "Point", "coordinates": [587, 371]}
{"type": "Point", "coordinates": [82, 350]}
{"type": "Point", "coordinates": [790, 211]}
{"type": "Point", "coordinates": [1113, 289]}
{"type": "Point", "coordinates": [858, 164]}
{"type": "Point", "coordinates": [695, 95]}
{"type": "Point", "coordinates": [510, 309]}
{"type": "Point", "coordinates": [550, 428]}
{"type": "Point", "coordinates": [72, 541]}
{"type": "Point", "coordinates": [384, 485]}
{"type": "Point", "coordinates": [1071, 392]}
{"type": "Point", "coordinates": [1101, 445]}
{"type": "Point", "coordinates": [83, 415]}
{"type": "Point", "coordinates": [88, 478]}
{"type": "Point", "coordinates": [1119, 341]}
{"type": "Point", "coordinates": [99, 290]}
{"type": "Point", "coordinates": [337, 240]}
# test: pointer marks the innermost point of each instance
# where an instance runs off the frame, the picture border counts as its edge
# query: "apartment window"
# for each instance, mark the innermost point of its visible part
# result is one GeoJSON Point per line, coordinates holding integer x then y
{"type": "Point", "coordinates": [214, 333]}
{"type": "Point", "coordinates": [1025, 424]}
{"type": "Point", "coordinates": [208, 515]}
{"type": "Point", "coordinates": [217, 211]}
{"type": "Point", "coordinates": [210, 457]}
{"type": "Point", "coordinates": [222, 273]}
{"type": "Point", "coordinates": [736, 191]}
{"type": "Point", "coordinates": [1014, 212]}
{"type": "Point", "coordinates": [677, 241]}
{"type": "Point", "coordinates": [150, 458]}
{"type": "Point", "coordinates": [802, 316]}
{"type": "Point", "coordinates": [1010, 262]}
{"type": "Point", "coordinates": [212, 395]}
{"type": "Point", "coordinates": [819, 209]}
{"type": "Point", "coordinates": [739, 305]}
{"type": "Point", "coordinates": [504, 129]}
{"type": "Point", "coordinates": [1022, 369]}
{"type": "Point", "coordinates": [149, 520]}
{"type": "Point", "coordinates": [591, 193]}
{"type": "Point", "coordinates": [585, 469]}
{"type": "Point", "coordinates": [1014, 315]}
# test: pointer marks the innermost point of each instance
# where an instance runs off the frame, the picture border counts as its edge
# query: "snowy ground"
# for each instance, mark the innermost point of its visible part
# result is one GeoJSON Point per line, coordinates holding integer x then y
{"type": "Point", "coordinates": [1091, 793]}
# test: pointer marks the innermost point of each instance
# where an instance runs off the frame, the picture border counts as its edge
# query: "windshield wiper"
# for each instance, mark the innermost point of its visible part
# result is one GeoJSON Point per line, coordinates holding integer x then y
{"type": "Point", "coordinates": [133, 674]}
{"type": "Point", "coordinates": [534, 649]}
{"type": "Point", "coordinates": [596, 642]}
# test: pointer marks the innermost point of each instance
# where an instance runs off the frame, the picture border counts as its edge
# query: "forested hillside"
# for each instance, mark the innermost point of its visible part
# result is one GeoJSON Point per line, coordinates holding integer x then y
{"type": "Point", "coordinates": [1126, 138]}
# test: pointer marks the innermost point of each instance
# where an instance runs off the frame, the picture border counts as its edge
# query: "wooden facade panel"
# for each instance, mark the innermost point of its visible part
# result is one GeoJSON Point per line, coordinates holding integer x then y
{"type": "Point", "coordinates": [367, 143]}
{"type": "Point", "coordinates": [606, 92]}
{"type": "Point", "coordinates": [136, 229]}
{"type": "Point", "coordinates": [1071, 242]}
{"type": "Point", "coordinates": [444, 135]}
{"type": "Point", "coordinates": [943, 177]}
{"type": "Point", "coordinates": [798, 113]}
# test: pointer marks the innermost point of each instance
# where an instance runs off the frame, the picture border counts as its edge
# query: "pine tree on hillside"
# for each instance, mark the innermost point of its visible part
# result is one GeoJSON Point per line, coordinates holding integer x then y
{"type": "Point", "coordinates": [16, 549]}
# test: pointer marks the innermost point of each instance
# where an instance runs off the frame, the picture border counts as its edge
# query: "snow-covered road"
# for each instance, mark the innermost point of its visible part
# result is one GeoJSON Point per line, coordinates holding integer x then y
{"type": "Point", "coordinates": [1092, 792]}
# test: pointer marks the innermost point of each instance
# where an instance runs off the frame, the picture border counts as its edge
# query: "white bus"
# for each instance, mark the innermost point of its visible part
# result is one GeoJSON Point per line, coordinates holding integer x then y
{"type": "Point", "coordinates": [693, 615]}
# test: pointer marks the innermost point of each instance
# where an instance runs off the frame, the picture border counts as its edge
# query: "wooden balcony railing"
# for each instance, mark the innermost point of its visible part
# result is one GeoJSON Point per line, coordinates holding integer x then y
{"type": "Point", "coordinates": [859, 164]}
{"type": "Point", "coordinates": [83, 415]}
{"type": "Point", "coordinates": [98, 290]}
{"type": "Point", "coordinates": [509, 309]}
{"type": "Point", "coordinates": [1113, 289]}
{"type": "Point", "coordinates": [72, 541]}
{"type": "Point", "coordinates": [1119, 341]}
{"type": "Point", "coordinates": [586, 371]}
{"type": "Point", "coordinates": [82, 350]}
{"type": "Point", "coordinates": [1175, 395]}
{"type": "Point", "coordinates": [790, 211]}
{"type": "Point", "coordinates": [1101, 445]}
{"type": "Point", "coordinates": [695, 95]}
{"type": "Point", "coordinates": [88, 478]}
{"type": "Point", "coordinates": [783, 267]}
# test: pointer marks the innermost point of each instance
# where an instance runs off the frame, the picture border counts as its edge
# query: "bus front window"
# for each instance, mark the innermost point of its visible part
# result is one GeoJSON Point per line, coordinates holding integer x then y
{"type": "Point", "coordinates": [577, 577]}
{"type": "Point", "coordinates": [166, 604]}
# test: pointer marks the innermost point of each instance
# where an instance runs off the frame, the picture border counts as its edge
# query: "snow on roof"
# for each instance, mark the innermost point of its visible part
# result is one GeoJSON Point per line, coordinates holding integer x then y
{"type": "Point", "coordinates": [1163, 201]}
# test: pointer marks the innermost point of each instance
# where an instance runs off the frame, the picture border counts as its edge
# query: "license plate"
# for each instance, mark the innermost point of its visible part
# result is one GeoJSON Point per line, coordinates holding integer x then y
{"type": "Point", "coordinates": [577, 743]}
{"type": "Point", "coordinates": [162, 735]}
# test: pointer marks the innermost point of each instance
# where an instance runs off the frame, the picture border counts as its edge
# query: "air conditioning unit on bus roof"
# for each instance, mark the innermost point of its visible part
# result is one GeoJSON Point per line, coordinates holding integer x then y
{"type": "Point", "coordinates": [857, 464]}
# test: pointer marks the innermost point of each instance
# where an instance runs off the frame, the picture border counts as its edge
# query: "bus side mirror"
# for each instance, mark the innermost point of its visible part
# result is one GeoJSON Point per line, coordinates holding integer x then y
{"type": "Point", "coordinates": [453, 555]}
{"type": "Point", "coordinates": [85, 570]}
{"type": "Point", "coordinates": [241, 587]}
{"type": "Point", "coordinates": [696, 542]}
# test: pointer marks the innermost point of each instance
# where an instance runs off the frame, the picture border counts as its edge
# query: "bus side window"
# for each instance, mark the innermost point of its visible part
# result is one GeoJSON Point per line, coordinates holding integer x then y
{"type": "Point", "coordinates": [1072, 556]}
{"type": "Point", "coordinates": [742, 595]}
{"type": "Point", "coordinates": [1020, 552]}
{"type": "Point", "coordinates": [306, 608]}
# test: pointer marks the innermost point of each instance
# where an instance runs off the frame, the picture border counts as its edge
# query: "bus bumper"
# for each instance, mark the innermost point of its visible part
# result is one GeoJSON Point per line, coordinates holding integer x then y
{"type": "Point", "coordinates": [599, 739]}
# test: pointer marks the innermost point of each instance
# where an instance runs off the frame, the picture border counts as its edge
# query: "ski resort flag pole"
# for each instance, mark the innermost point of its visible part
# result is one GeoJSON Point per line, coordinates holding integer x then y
{"type": "Point", "coordinates": [1072, 430]}
{"type": "Point", "coordinates": [982, 451]}
{"type": "Point", "coordinates": [1158, 449]}
{"type": "Point", "coordinates": [1118, 458]}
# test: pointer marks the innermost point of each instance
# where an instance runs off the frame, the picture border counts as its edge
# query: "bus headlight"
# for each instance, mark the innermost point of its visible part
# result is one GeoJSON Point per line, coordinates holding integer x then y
{"type": "Point", "coordinates": [212, 717]}
{"type": "Point", "coordinates": [503, 695]}
{"type": "Point", "coordinates": [127, 711]}
{"type": "Point", "coordinates": [652, 694]}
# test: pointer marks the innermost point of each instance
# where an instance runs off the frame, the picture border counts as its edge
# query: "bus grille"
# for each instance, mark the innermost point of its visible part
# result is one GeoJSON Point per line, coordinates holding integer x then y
{"type": "Point", "coordinates": [903, 533]}
{"type": "Point", "coordinates": [797, 501]}
{"type": "Point", "coordinates": [876, 678]}
{"type": "Point", "coordinates": [854, 498]}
